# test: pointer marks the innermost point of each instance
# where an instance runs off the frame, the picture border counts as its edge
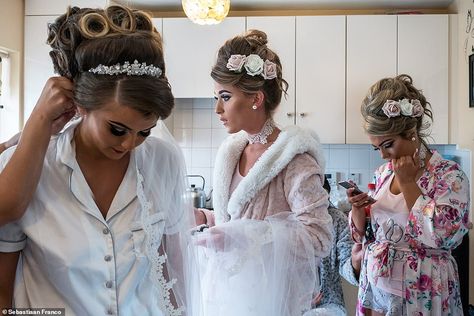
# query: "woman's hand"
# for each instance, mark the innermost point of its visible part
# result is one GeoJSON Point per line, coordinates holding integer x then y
{"type": "Point", "coordinates": [359, 203]}
{"type": "Point", "coordinates": [55, 104]}
{"type": "Point", "coordinates": [9, 143]}
{"type": "Point", "coordinates": [13, 140]}
{"type": "Point", "coordinates": [213, 238]}
{"type": "Point", "coordinates": [406, 168]}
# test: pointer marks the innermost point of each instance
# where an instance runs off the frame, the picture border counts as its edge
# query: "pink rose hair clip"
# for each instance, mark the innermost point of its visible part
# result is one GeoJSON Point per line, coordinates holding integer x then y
{"type": "Point", "coordinates": [253, 64]}
{"type": "Point", "coordinates": [405, 107]}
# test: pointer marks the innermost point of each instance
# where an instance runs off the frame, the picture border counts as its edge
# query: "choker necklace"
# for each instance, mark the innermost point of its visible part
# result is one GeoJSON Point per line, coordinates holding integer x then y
{"type": "Point", "coordinates": [261, 137]}
{"type": "Point", "coordinates": [422, 154]}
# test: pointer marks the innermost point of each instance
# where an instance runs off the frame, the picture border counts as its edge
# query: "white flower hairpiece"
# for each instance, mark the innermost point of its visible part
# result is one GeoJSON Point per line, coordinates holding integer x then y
{"type": "Point", "coordinates": [253, 64]}
{"type": "Point", "coordinates": [135, 69]}
{"type": "Point", "coordinates": [405, 107]}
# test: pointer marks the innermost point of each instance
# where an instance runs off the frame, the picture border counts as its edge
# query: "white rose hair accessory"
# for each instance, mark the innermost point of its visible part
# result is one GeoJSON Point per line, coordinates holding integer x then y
{"type": "Point", "coordinates": [405, 107]}
{"type": "Point", "coordinates": [253, 64]}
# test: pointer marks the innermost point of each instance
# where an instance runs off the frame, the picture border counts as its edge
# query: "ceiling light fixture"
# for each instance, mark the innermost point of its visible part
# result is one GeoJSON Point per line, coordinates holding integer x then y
{"type": "Point", "coordinates": [205, 12]}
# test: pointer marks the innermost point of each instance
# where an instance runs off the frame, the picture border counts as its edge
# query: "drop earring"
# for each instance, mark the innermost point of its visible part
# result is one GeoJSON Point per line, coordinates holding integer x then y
{"type": "Point", "coordinates": [254, 107]}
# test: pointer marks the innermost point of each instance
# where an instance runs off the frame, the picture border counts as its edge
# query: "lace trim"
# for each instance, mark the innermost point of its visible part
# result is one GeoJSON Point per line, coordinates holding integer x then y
{"type": "Point", "coordinates": [152, 243]}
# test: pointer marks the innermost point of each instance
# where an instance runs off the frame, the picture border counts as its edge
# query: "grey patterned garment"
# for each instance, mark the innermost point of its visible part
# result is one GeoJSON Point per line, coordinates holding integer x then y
{"type": "Point", "coordinates": [337, 264]}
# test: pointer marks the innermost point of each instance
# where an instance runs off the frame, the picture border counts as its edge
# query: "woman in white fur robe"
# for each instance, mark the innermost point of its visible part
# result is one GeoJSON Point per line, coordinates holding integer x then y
{"type": "Point", "coordinates": [270, 209]}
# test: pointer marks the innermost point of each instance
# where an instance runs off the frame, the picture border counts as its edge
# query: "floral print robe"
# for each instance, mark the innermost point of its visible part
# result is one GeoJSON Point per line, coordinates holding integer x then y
{"type": "Point", "coordinates": [436, 224]}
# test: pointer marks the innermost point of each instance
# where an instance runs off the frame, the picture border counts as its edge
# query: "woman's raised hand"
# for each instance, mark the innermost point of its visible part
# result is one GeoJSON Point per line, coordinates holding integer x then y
{"type": "Point", "coordinates": [56, 104]}
{"type": "Point", "coordinates": [407, 167]}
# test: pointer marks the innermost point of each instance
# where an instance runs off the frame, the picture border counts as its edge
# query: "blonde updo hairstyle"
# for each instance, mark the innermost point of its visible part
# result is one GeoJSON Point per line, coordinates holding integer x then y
{"type": "Point", "coordinates": [397, 88]}
{"type": "Point", "coordinates": [252, 42]}
{"type": "Point", "coordinates": [82, 39]}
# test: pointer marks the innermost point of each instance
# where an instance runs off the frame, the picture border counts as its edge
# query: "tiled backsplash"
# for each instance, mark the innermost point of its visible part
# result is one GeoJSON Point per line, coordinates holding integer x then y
{"type": "Point", "coordinates": [199, 133]}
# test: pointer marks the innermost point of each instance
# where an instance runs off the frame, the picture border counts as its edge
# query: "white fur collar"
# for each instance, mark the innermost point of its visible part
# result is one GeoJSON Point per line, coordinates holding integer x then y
{"type": "Point", "coordinates": [291, 141]}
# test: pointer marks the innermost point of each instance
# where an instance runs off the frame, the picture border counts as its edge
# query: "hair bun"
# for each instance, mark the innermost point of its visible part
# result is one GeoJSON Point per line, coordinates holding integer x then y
{"type": "Point", "coordinates": [64, 36]}
{"type": "Point", "coordinates": [69, 30]}
{"type": "Point", "coordinates": [125, 20]}
{"type": "Point", "coordinates": [256, 38]}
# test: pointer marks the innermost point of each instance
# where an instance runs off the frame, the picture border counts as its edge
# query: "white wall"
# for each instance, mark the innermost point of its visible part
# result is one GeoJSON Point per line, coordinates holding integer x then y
{"type": "Point", "coordinates": [11, 40]}
{"type": "Point", "coordinates": [462, 116]}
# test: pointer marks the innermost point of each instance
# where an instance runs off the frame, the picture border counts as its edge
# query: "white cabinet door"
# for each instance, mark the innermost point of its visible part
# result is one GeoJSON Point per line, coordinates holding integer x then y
{"type": "Point", "coordinates": [190, 52]}
{"type": "Point", "coordinates": [281, 39]}
{"type": "Point", "coordinates": [58, 7]}
{"type": "Point", "coordinates": [423, 54]}
{"type": "Point", "coordinates": [371, 56]}
{"type": "Point", "coordinates": [89, 3]}
{"type": "Point", "coordinates": [320, 75]}
{"type": "Point", "coordinates": [9, 110]}
{"type": "Point", "coordinates": [41, 7]}
{"type": "Point", "coordinates": [38, 64]}
{"type": "Point", "coordinates": [158, 23]}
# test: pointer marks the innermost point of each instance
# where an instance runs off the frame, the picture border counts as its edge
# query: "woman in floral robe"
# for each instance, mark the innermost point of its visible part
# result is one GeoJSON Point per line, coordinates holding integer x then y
{"type": "Point", "coordinates": [420, 214]}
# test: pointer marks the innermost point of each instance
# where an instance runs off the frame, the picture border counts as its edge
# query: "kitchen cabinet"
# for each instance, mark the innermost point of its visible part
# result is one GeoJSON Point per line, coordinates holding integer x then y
{"type": "Point", "coordinates": [58, 7]}
{"type": "Point", "coordinates": [190, 52]}
{"type": "Point", "coordinates": [371, 55]}
{"type": "Point", "coordinates": [384, 46]}
{"type": "Point", "coordinates": [423, 44]}
{"type": "Point", "coordinates": [329, 62]}
{"type": "Point", "coordinates": [280, 31]}
{"type": "Point", "coordinates": [320, 75]}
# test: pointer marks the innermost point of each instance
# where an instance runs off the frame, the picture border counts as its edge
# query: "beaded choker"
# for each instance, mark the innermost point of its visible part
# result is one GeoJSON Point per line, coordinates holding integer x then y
{"type": "Point", "coordinates": [261, 137]}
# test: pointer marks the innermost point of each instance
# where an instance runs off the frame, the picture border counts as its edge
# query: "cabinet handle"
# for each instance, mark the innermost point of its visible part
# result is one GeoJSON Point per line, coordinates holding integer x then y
{"type": "Point", "coordinates": [302, 114]}
{"type": "Point", "coordinates": [289, 114]}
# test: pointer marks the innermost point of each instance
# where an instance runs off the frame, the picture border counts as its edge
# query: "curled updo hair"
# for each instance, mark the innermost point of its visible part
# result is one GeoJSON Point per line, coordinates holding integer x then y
{"type": "Point", "coordinates": [82, 39]}
{"type": "Point", "coordinates": [397, 88]}
{"type": "Point", "coordinates": [252, 42]}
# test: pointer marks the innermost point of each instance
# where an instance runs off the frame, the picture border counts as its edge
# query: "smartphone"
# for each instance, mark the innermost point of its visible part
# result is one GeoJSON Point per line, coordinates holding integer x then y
{"type": "Point", "coordinates": [348, 185]}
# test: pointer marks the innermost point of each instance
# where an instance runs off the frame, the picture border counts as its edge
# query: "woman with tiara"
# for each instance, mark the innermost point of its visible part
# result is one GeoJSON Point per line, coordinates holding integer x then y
{"type": "Point", "coordinates": [105, 231]}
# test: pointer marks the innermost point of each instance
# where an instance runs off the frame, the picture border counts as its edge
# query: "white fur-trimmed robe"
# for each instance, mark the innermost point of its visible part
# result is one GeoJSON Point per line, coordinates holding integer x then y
{"type": "Point", "coordinates": [287, 177]}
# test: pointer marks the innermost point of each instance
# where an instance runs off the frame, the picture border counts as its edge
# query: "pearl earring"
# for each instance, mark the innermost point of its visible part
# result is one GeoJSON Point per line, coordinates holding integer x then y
{"type": "Point", "coordinates": [413, 139]}
{"type": "Point", "coordinates": [254, 107]}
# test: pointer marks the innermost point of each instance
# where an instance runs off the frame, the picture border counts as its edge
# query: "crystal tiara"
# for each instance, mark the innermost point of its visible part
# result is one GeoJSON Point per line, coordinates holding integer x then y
{"type": "Point", "coordinates": [135, 69]}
